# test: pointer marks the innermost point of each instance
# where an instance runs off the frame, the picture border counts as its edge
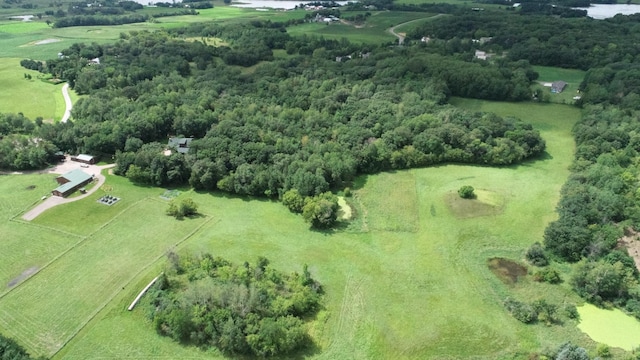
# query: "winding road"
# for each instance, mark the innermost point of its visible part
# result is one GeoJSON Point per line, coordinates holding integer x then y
{"type": "Point", "coordinates": [401, 37]}
{"type": "Point", "coordinates": [67, 102]}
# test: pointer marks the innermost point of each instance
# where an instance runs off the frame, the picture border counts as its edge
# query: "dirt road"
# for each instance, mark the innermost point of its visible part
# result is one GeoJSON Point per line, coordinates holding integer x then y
{"type": "Point", "coordinates": [67, 103]}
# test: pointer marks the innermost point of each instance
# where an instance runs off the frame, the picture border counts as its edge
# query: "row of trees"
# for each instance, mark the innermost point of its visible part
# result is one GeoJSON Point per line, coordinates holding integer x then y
{"type": "Point", "coordinates": [239, 309]}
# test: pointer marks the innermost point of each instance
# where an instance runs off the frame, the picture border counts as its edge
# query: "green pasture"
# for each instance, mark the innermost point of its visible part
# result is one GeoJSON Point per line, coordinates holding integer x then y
{"type": "Point", "coordinates": [408, 280]}
{"type": "Point", "coordinates": [611, 327]}
{"type": "Point", "coordinates": [33, 97]}
{"type": "Point", "coordinates": [120, 249]}
{"type": "Point", "coordinates": [25, 248]}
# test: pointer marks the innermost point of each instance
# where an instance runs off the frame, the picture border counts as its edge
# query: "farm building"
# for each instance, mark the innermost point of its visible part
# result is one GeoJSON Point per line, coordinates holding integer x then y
{"type": "Point", "coordinates": [180, 144]}
{"type": "Point", "coordinates": [84, 158]}
{"type": "Point", "coordinates": [71, 181]}
{"type": "Point", "coordinates": [558, 86]}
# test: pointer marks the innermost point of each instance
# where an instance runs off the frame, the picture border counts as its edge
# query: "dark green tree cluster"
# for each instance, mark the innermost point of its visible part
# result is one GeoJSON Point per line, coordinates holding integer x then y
{"type": "Point", "coordinates": [466, 192]}
{"type": "Point", "coordinates": [320, 211]}
{"type": "Point", "coordinates": [183, 208]}
{"type": "Point", "coordinates": [21, 148]}
{"type": "Point", "coordinates": [536, 311]}
{"type": "Point", "coordinates": [604, 282]}
{"type": "Point", "coordinates": [10, 350]}
{"type": "Point", "coordinates": [239, 309]}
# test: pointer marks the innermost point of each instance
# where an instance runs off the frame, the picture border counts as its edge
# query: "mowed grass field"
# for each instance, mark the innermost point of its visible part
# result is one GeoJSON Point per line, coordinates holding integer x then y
{"type": "Point", "coordinates": [409, 281]}
{"type": "Point", "coordinates": [31, 97]}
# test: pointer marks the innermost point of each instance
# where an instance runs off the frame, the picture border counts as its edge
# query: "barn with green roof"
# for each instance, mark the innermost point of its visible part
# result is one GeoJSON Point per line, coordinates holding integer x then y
{"type": "Point", "coordinates": [71, 181]}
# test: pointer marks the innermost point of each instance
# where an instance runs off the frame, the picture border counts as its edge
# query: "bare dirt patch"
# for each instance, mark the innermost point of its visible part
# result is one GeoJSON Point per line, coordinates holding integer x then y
{"type": "Point", "coordinates": [46, 41]}
{"type": "Point", "coordinates": [508, 271]}
{"type": "Point", "coordinates": [25, 274]}
{"type": "Point", "coordinates": [631, 241]}
{"type": "Point", "coordinates": [486, 203]}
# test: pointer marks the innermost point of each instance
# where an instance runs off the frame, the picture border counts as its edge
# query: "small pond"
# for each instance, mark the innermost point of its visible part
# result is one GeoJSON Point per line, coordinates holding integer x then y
{"type": "Point", "coordinates": [611, 327]}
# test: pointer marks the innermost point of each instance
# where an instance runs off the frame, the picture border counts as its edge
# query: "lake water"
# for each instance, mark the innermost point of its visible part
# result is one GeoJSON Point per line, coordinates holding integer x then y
{"type": "Point", "coordinates": [273, 4]}
{"type": "Point", "coordinates": [604, 11]}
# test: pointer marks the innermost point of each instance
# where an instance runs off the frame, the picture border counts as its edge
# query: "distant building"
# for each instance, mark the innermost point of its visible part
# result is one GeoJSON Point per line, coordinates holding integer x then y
{"type": "Point", "coordinates": [84, 158]}
{"type": "Point", "coordinates": [180, 144]}
{"type": "Point", "coordinates": [482, 55]}
{"type": "Point", "coordinates": [71, 182]}
{"type": "Point", "coordinates": [558, 86]}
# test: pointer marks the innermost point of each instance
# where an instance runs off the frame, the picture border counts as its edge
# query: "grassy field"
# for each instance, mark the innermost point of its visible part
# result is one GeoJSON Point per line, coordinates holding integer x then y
{"type": "Point", "coordinates": [31, 97]}
{"type": "Point", "coordinates": [410, 281]}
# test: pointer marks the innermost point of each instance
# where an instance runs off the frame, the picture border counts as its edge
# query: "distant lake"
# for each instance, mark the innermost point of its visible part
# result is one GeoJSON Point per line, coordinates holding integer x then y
{"type": "Point", "coordinates": [273, 4]}
{"type": "Point", "coordinates": [604, 11]}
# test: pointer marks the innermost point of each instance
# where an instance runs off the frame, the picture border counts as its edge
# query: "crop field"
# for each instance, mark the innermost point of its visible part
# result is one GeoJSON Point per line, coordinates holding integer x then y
{"type": "Point", "coordinates": [411, 282]}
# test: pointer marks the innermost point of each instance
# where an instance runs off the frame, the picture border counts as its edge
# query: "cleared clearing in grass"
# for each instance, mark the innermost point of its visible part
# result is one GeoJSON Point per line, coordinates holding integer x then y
{"type": "Point", "coordinates": [391, 208]}
{"type": "Point", "coordinates": [486, 203]}
{"type": "Point", "coordinates": [389, 294]}
{"type": "Point", "coordinates": [611, 327]}
{"type": "Point", "coordinates": [42, 317]}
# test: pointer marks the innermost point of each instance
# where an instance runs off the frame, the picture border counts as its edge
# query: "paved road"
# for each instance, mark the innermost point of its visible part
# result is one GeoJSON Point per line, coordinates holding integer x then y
{"type": "Point", "coordinates": [52, 200]}
{"type": "Point", "coordinates": [67, 102]}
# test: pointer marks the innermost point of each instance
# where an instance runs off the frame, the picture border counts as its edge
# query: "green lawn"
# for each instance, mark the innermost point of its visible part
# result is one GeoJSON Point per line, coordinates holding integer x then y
{"type": "Point", "coordinates": [409, 281]}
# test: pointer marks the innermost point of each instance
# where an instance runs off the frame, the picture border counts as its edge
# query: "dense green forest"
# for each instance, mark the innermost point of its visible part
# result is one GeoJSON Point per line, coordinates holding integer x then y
{"type": "Point", "coordinates": [246, 309]}
{"type": "Point", "coordinates": [306, 122]}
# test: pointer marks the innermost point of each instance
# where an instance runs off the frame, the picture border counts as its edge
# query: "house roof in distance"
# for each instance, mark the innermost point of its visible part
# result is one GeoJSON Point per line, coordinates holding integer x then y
{"type": "Point", "coordinates": [84, 157]}
{"type": "Point", "coordinates": [180, 144]}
